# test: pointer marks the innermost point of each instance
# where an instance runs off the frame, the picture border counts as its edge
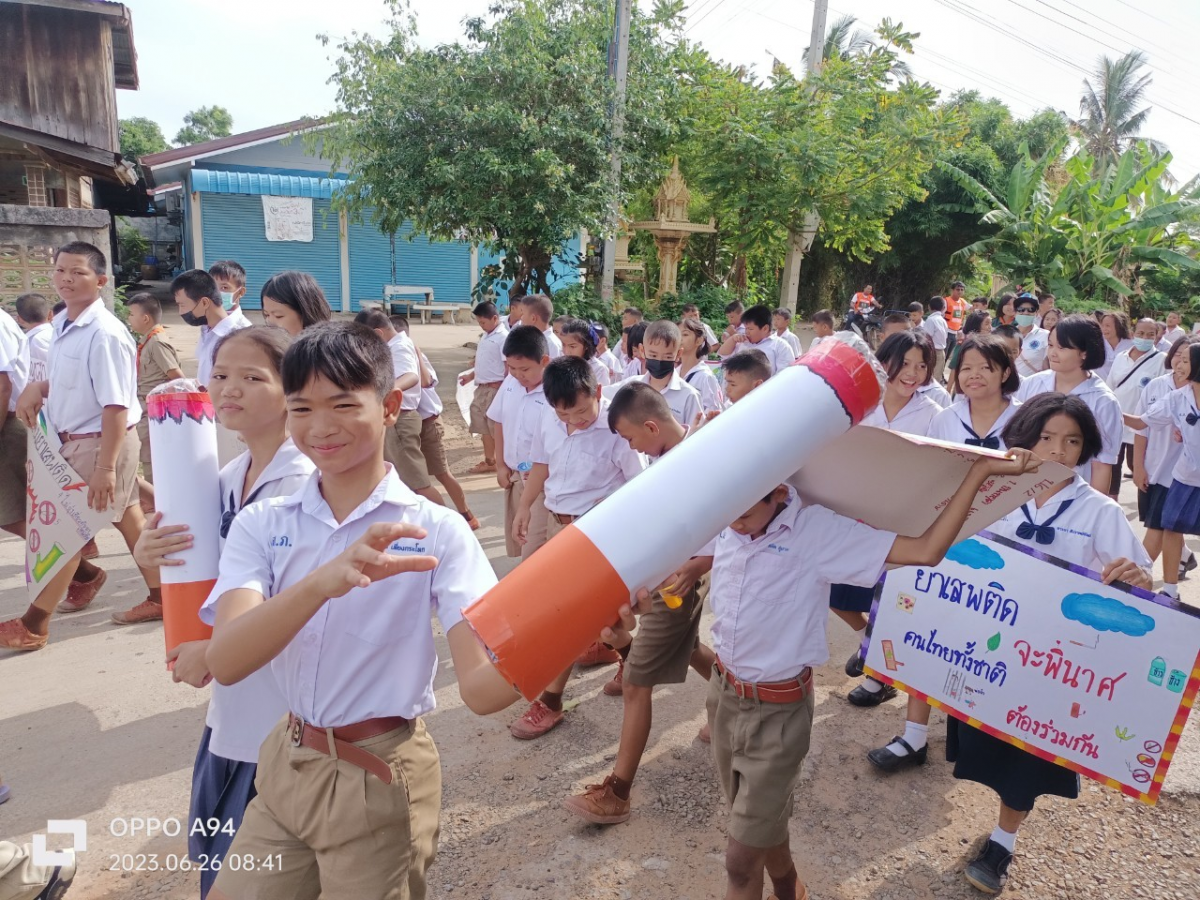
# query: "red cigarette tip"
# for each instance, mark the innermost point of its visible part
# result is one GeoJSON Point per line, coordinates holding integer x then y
{"type": "Point", "coordinates": [851, 375]}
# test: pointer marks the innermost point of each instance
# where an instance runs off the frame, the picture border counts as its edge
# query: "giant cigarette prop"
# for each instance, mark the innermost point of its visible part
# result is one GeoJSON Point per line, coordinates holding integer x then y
{"type": "Point", "coordinates": [546, 612]}
{"type": "Point", "coordinates": [187, 491]}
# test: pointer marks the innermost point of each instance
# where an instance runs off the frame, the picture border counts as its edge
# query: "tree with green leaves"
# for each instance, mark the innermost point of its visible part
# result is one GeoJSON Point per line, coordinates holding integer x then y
{"type": "Point", "coordinates": [1111, 111]}
{"type": "Point", "coordinates": [844, 39]}
{"type": "Point", "coordinates": [140, 137]}
{"type": "Point", "coordinates": [502, 139]}
{"type": "Point", "coordinates": [205, 124]}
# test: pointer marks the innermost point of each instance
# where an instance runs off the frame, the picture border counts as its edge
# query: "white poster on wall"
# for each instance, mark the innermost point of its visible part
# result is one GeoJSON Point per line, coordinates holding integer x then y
{"type": "Point", "coordinates": [288, 218]}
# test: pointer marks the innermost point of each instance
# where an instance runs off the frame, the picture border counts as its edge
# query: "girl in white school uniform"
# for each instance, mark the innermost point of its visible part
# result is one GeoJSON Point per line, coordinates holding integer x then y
{"type": "Point", "coordinates": [984, 383]}
{"type": "Point", "coordinates": [908, 358]}
{"type": "Point", "coordinates": [579, 339]}
{"type": "Point", "coordinates": [247, 393]}
{"type": "Point", "coordinates": [1077, 524]}
{"type": "Point", "coordinates": [1076, 351]}
{"type": "Point", "coordinates": [693, 351]}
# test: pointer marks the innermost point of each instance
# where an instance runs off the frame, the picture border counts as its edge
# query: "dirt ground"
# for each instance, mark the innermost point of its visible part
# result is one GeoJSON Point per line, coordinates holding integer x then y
{"type": "Point", "coordinates": [93, 728]}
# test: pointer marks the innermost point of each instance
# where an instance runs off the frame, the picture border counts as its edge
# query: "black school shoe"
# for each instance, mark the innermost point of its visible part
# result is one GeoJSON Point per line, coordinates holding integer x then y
{"type": "Point", "coordinates": [854, 665]}
{"type": "Point", "coordinates": [885, 759]}
{"type": "Point", "coordinates": [988, 872]}
{"type": "Point", "coordinates": [860, 696]}
{"type": "Point", "coordinates": [1188, 566]}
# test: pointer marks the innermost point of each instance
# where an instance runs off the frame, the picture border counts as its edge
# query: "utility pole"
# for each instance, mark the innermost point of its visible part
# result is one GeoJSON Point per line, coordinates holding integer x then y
{"type": "Point", "coordinates": [618, 69]}
{"type": "Point", "coordinates": [799, 242]}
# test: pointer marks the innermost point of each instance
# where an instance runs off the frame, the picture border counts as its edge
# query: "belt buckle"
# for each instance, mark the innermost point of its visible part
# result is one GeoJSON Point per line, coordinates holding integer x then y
{"type": "Point", "coordinates": [297, 734]}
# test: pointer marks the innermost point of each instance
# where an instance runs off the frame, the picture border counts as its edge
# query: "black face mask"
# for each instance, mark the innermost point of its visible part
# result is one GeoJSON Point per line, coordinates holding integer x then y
{"type": "Point", "coordinates": [660, 368]}
{"type": "Point", "coordinates": [190, 318]}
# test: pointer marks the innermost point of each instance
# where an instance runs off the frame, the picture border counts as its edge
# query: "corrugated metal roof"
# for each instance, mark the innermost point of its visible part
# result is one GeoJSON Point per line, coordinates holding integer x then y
{"type": "Point", "coordinates": [215, 181]}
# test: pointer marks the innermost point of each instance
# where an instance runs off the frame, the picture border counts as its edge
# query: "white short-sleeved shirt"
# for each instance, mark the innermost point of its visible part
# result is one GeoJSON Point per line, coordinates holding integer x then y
{"type": "Point", "coordinates": [370, 653]}
{"type": "Point", "coordinates": [14, 357]}
{"type": "Point", "coordinates": [1174, 410]}
{"type": "Point", "coordinates": [1110, 355]}
{"type": "Point", "coordinates": [1032, 358]}
{"type": "Point", "coordinates": [489, 356]}
{"type": "Point", "coordinates": [935, 392]}
{"type": "Point", "coordinates": [913, 418]}
{"type": "Point", "coordinates": [93, 364]}
{"type": "Point", "coordinates": [1162, 450]}
{"type": "Point", "coordinates": [206, 349]}
{"type": "Point", "coordinates": [770, 596]}
{"type": "Point", "coordinates": [778, 353]}
{"type": "Point", "coordinates": [520, 414]}
{"type": "Point", "coordinates": [553, 344]}
{"type": "Point", "coordinates": [242, 715]}
{"type": "Point", "coordinates": [791, 340]}
{"type": "Point", "coordinates": [954, 424]}
{"type": "Point", "coordinates": [37, 351]}
{"type": "Point", "coordinates": [1091, 532]}
{"type": "Point", "coordinates": [430, 403]}
{"type": "Point", "coordinates": [616, 369]}
{"type": "Point", "coordinates": [937, 329]}
{"type": "Point", "coordinates": [701, 377]}
{"type": "Point", "coordinates": [818, 341]}
{"type": "Point", "coordinates": [1171, 335]}
{"type": "Point", "coordinates": [585, 466]}
{"type": "Point", "coordinates": [683, 399]}
{"type": "Point", "coordinates": [1129, 377]}
{"type": "Point", "coordinates": [238, 317]}
{"type": "Point", "coordinates": [404, 362]}
{"type": "Point", "coordinates": [600, 371]}
{"type": "Point", "coordinates": [633, 369]}
{"type": "Point", "coordinates": [1100, 400]}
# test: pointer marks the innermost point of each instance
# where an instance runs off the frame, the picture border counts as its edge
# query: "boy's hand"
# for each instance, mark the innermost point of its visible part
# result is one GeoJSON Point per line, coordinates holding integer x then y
{"type": "Point", "coordinates": [1016, 461]}
{"type": "Point", "coordinates": [1126, 570]}
{"type": "Point", "coordinates": [190, 667]}
{"type": "Point", "coordinates": [466, 378]}
{"type": "Point", "coordinates": [365, 562]}
{"type": "Point", "coordinates": [102, 489]}
{"type": "Point", "coordinates": [155, 544]}
{"type": "Point", "coordinates": [520, 525]}
{"type": "Point", "coordinates": [503, 476]}
{"type": "Point", "coordinates": [621, 633]}
{"type": "Point", "coordinates": [29, 404]}
{"type": "Point", "coordinates": [688, 575]}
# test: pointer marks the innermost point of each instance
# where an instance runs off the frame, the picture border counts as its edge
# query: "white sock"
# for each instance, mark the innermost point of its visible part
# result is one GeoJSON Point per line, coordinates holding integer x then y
{"type": "Point", "coordinates": [915, 734]}
{"type": "Point", "coordinates": [1171, 590]}
{"type": "Point", "coordinates": [1006, 839]}
{"type": "Point", "coordinates": [871, 686]}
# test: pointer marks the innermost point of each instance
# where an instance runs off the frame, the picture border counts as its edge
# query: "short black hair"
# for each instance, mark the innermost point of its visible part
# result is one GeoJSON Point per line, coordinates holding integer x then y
{"type": "Point", "coordinates": [350, 355]}
{"type": "Point", "coordinates": [486, 310]}
{"type": "Point", "coordinates": [566, 379]}
{"type": "Point", "coordinates": [539, 305]}
{"type": "Point", "coordinates": [1194, 360]}
{"type": "Point", "coordinates": [274, 342]}
{"type": "Point", "coordinates": [1024, 429]}
{"type": "Point", "coordinates": [689, 308]}
{"type": "Point", "coordinates": [1120, 322]}
{"type": "Point", "coordinates": [957, 284]}
{"type": "Point", "coordinates": [823, 317]}
{"type": "Point", "coordinates": [892, 318]}
{"type": "Point", "coordinates": [148, 302]}
{"type": "Point", "coordinates": [299, 292]}
{"type": "Point", "coordinates": [1175, 347]}
{"type": "Point", "coordinates": [895, 347]}
{"type": "Point", "coordinates": [374, 318]}
{"type": "Point", "coordinates": [734, 307]}
{"type": "Point", "coordinates": [58, 307]}
{"type": "Point", "coordinates": [639, 403]}
{"type": "Point", "coordinates": [993, 350]}
{"type": "Point", "coordinates": [96, 259]}
{"type": "Point", "coordinates": [751, 361]}
{"type": "Point", "coordinates": [973, 323]}
{"type": "Point", "coordinates": [916, 306]}
{"type": "Point", "coordinates": [196, 284]}
{"type": "Point", "coordinates": [937, 304]}
{"type": "Point", "coordinates": [400, 323]}
{"type": "Point", "coordinates": [697, 329]}
{"type": "Point", "coordinates": [758, 316]}
{"type": "Point", "coordinates": [228, 270]}
{"type": "Point", "coordinates": [526, 342]}
{"type": "Point", "coordinates": [1009, 331]}
{"type": "Point", "coordinates": [784, 313]}
{"type": "Point", "coordinates": [637, 335]}
{"type": "Point", "coordinates": [1082, 333]}
{"type": "Point", "coordinates": [663, 332]}
{"type": "Point", "coordinates": [601, 332]}
{"type": "Point", "coordinates": [585, 332]}
{"type": "Point", "coordinates": [633, 311]}
{"type": "Point", "coordinates": [33, 308]}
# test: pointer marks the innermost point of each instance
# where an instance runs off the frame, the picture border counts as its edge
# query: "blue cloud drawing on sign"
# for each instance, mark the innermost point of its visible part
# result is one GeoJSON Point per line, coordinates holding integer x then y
{"type": "Point", "coordinates": [975, 555]}
{"type": "Point", "coordinates": [1106, 614]}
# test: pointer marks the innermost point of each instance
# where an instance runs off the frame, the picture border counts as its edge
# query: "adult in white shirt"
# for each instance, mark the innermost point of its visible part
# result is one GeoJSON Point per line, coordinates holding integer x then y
{"type": "Point", "coordinates": [1115, 328]}
{"type": "Point", "coordinates": [756, 325]}
{"type": "Point", "coordinates": [939, 332]}
{"type": "Point", "coordinates": [1034, 340]}
{"type": "Point", "coordinates": [1131, 372]}
{"type": "Point", "coordinates": [33, 315]}
{"type": "Point", "coordinates": [14, 373]}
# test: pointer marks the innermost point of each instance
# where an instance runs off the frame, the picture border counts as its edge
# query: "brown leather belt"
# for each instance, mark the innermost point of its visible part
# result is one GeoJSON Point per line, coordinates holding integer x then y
{"type": "Point", "coordinates": [770, 692]}
{"type": "Point", "coordinates": [494, 384]}
{"type": "Point", "coordinates": [64, 436]}
{"type": "Point", "coordinates": [563, 519]}
{"type": "Point", "coordinates": [344, 739]}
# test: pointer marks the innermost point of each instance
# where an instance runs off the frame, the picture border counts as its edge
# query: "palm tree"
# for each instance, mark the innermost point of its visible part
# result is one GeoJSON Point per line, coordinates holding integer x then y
{"type": "Point", "coordinates": [843, 39]}
{"type": "Point", "coordinates": [1111, 110]}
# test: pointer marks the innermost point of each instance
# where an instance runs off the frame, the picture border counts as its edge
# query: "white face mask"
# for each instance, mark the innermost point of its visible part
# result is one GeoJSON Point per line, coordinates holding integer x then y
{"type": "Point", "coordinates": [1144, 345]}
{"type": "Point", "coordinates": [227, 299]}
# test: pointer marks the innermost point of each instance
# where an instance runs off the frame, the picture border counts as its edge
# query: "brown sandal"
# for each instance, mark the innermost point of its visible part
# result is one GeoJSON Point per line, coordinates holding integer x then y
{"type": "Point", "coordinates": [482, 468]}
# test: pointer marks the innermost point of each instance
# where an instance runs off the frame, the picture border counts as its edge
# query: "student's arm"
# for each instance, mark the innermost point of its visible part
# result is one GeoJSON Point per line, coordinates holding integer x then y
{"type": "Point", "coordinates": [252, 630]}
{"type": "Point", "coordinates": [467, 377]}
{"type": "Point", "coordinates": [535, 484]}
{"type": "Point", "coordinates": [172, 374]}
{"type": "Point", "coordinates": [102, 487]}
{"type": "Point", "coordinates": [423, 370]}
{"type": "Point", "coordinates": [407, 381]}
{"type": "Point", "coordinates": [29, 404]}
{"type": "Point", "coordinates": [731, 342]}
{"type": "Point", "coordinates": [503, 475]}
{"type": "Point", "coordinates": [1140, 477]}
{"type": "Point", "coordinates": [930, 547]}
{"type": "Point", "coordinates": [1101, 477]}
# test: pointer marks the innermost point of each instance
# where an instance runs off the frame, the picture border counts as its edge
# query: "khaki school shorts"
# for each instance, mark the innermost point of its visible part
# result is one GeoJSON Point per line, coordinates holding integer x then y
{"type": "Point", "coordinates": [666, 638]}
{"type": "Point", "coordinates": [537, 520]}
{"type": "Point", "coordinates": [143, 430]}
{"type": "Point", "coordinates": [402, 448]}
{"type": "Point", "coordinates": [83, 454]}
{"type": "Point", "coordinates": [480, 423]}
{"type": "Point", "coordinates": [759, 749]}
{"type": "Point", "coordinates": [14, 448]}
{"type": "Point", "coordinates": [433, 446]}
{"type": "Point", "coordinates": [330, 829]}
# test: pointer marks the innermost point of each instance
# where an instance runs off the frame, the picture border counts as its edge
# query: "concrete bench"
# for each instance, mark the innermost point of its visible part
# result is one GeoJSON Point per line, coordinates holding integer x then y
{"type": "Point", "coordinates": [448, 311]}
{"type": "Point", "coordinates": [403, 307]}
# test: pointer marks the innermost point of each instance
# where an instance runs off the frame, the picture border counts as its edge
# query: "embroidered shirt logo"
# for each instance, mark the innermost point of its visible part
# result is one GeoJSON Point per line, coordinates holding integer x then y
{"type": "Point", "coordinates": [402, 547]}
{"type": "Point", "coordinates": [280, 540]}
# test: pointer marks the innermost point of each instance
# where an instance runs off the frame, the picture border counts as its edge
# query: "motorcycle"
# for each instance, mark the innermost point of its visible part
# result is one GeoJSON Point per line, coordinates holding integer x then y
{"type": "Point", "coordinates": [868, 326]}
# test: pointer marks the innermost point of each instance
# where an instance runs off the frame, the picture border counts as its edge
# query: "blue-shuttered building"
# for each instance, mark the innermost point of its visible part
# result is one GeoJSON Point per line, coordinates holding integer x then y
{"type": "Point", "coordinates": [224, 182]}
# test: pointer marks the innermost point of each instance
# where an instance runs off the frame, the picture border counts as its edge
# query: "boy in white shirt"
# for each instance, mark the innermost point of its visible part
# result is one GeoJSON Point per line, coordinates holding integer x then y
{"type": "Point", "coordinates": [577, 462]}
{"type": "Point", "coordinates": [14, 374]}
{"type": "Point", "coordinates": [822, 321]}
{"type": "Point", "coordinates": [935, 326]}
{"type": "Point", "coordinates": [756, 332]}
{"type": "Point", "coordinates": [691, 311]}
{"type": "Point", "coordinates": [538, 311]}
{"type": "Point", "coordinates": [433, 443]}
{"type": "Point", "coordinates": [660, 345]}
{"type": "Point", "coordinates": [630, 316]}
{"type": "Point", "coordinates": [199, 301]}
{"type": "Point", "coordinates": [605, 355]}
{"type": "Point", "coordinates": [230, 277]}
{"type": "Point", "coordinates": [517, 412]}
{"type": "Point", "coordinates": [33, 315]}
{"type": "Point", "coordinates": [488, 373]}
{"type": "Point", "coordinates": [781, 320]}
{"type": "Point", "coordinates": [91, 400]}
{"type": "Point", "coordinates": [306, 587]}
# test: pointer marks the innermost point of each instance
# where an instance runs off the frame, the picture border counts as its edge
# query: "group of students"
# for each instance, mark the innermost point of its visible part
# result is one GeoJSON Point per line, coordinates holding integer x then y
{"type": "Point", "coordinates": [314, 759]}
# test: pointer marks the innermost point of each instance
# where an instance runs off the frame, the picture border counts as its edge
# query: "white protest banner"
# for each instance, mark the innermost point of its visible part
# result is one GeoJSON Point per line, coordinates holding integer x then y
{"type": "Point", "coordinates": [288, 218]}
{"type": "Point", "coordinates": [1039, 653]}
{"type": "Point", "coordinates": [58, 520]}
{"type": "Point", "coordinates": [464, 395]}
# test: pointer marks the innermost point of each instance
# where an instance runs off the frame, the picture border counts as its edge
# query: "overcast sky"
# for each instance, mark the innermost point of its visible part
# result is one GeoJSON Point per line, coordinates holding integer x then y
{"type": "Point", "coordinates": [261, 60]}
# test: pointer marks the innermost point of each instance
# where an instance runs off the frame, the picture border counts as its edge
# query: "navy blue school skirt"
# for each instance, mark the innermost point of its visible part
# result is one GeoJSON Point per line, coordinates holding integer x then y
{"type": "Point", "coordinates": [221, 790]}
{"type": "Point", "coordinates": [851, 598]}
{"type": "Point", "coordinates": [1018, 777]}
{"type": "Point", "coordinates": [1150, 506]}
{"type": "Point", "coordinates": [1181, 511]}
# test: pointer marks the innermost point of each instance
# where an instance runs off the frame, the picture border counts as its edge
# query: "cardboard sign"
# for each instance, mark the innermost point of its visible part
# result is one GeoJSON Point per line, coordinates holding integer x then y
{"type": "Point", "coordinates": [1037, 652]}
{"type": "Point", "coordinates": [58, 520]}
{"type": "Point", "coordinates": [288, 218]}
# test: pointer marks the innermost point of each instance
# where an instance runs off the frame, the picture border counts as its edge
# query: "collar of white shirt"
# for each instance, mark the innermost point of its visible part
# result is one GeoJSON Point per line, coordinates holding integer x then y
{"type": "Point", "coordinates": [288, 460]}
{"type": "Point", "coordinates": [676, 383]}
{"type": "Point", "coordinates": [83, 320]}
{"type": "Point", "coordinates": [390, 490]}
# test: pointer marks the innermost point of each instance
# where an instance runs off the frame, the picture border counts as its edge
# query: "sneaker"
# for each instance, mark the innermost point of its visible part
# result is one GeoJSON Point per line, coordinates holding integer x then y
{"type": "Point", "coordinates": [989, 870]}
{"type": "Point", "coordinates": [60, 879]}
{"type": "Point", "coordinates": [146, 611]}
{"type": "Point", "coordinates": [15, 636]}
{"type": "Point", "coordinates": [616, 686]}
{"type": "Point", "coordinates": [90, 550]}
{"type": "Point", "coordinates": [599, 805]}
{"type": "Point", "coordinates": [80, 594]}
{"type": "Point", "coordinates": [471, 520]}
{"type": "Point", "coordinates": [538, 719]}
{"type": "Point", "coordinates": [598, 655]}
